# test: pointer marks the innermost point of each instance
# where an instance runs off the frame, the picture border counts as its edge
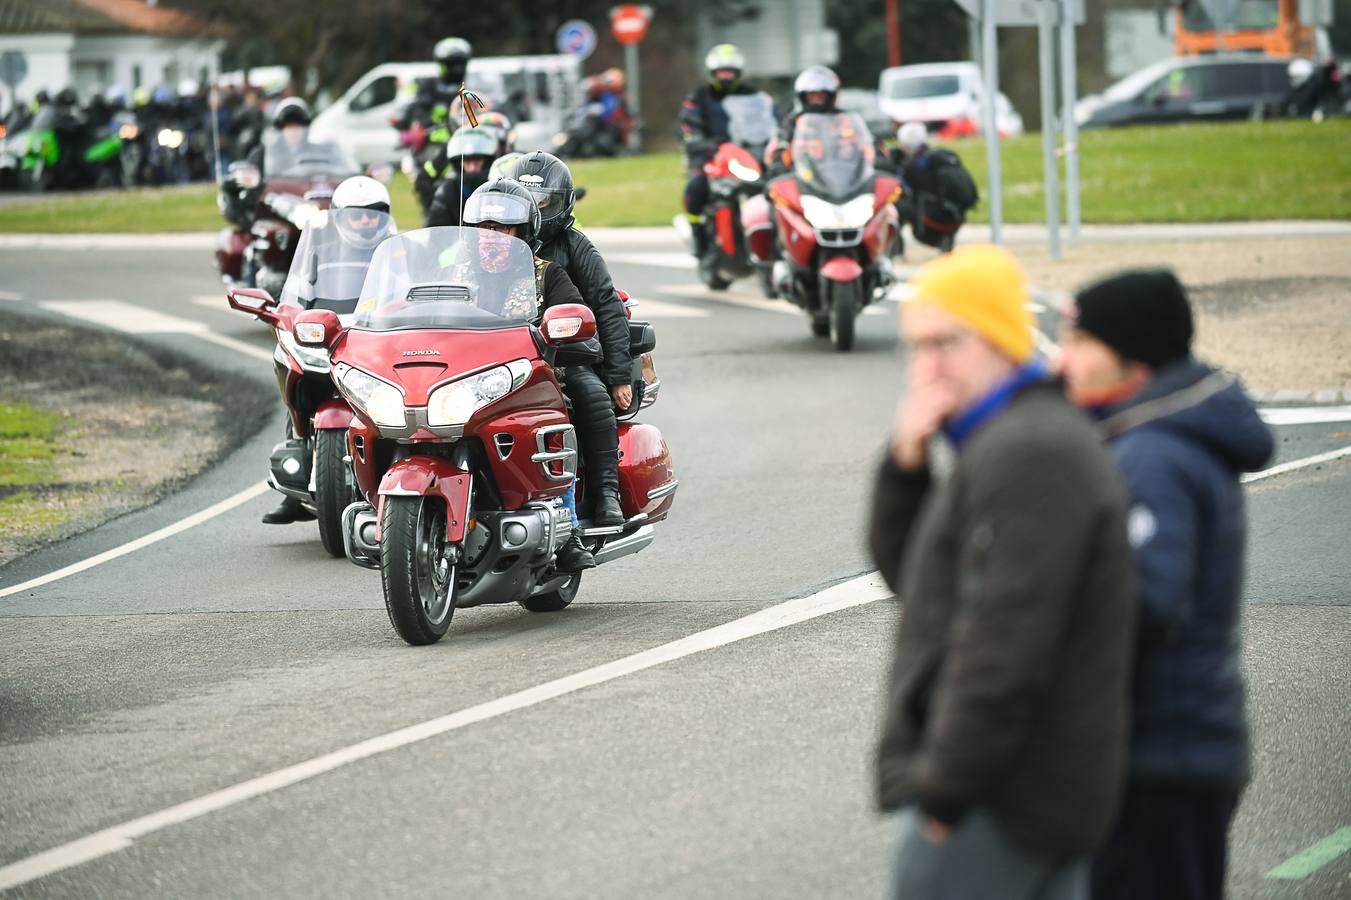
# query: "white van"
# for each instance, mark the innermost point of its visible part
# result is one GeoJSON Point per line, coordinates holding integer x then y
{"type": "Point", "coordinates": [946, 97]}
{"type": "Point", "coordinates": [360, 118]}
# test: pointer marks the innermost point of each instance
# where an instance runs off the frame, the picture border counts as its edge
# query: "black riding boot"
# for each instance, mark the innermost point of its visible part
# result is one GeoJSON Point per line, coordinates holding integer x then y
{"type": "Point", "coordinates": [289, 511]}
{"type": "Point", "coordinates": [573, 557]}
{"type": "Point", "coordinates": [593, 414]}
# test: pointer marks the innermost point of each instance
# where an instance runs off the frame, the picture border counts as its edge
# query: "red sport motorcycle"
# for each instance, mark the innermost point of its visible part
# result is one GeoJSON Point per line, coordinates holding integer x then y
{"type": "Point", "coordinates": [735, 173]}
{"type": "Point", "coordinates": [834, 219]}
{"type": "Point", "coordinates": [327, 273]}
{"type": "Point", "coordinates": [461, 444]}
{"type": "Point", "coordinates": [268, 209]}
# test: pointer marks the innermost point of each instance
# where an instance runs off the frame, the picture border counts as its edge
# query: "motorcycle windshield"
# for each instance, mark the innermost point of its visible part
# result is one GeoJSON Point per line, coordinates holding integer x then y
{"type": "Point", "coordinates": [449, 277]}
{"type": "Point", "coordinates": [832, 153]}
{"type": "Point", "coordinates": [332, 259]}
{"type": "Point", "coordinates": [291, 154]}
{"type": "Point", "coordinates": [750, 119]}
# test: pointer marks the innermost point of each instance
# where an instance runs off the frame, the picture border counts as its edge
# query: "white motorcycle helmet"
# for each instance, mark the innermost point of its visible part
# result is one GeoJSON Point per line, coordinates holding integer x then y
{"type": "Point", "coordinates": [354, 201]}
{"type": "Point", "coordinates": [1299, 71]}
{"type": "Point", "coordinates": [911, 136]}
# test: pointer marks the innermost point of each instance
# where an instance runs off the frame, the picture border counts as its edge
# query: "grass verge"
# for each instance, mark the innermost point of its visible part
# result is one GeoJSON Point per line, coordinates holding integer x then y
{"type": "Point", "coordinates": [1223, 172]}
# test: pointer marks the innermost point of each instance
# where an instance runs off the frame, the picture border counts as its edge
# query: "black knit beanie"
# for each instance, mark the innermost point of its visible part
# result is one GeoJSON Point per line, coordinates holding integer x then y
{"type": "Point", "coordinates": [1143, 315]}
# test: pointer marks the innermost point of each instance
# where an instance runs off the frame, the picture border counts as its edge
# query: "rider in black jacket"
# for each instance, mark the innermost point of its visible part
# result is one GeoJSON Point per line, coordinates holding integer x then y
{"type": "Point", "coordinates": [594, 396]}
{"type": "Point", "coordinates": [703, 126]}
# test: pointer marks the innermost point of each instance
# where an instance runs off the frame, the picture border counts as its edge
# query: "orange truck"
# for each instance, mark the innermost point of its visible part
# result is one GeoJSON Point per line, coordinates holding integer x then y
{"type": "Point", "coordinates": [1269, 26]}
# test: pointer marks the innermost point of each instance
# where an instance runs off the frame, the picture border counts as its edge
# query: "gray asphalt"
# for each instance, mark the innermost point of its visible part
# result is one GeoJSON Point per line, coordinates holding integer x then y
{"type": "Point", "coordinates": [235, 649]}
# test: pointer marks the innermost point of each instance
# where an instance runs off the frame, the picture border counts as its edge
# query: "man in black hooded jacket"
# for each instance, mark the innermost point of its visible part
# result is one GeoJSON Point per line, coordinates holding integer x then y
{"type": "Point", "coordinates": [1181, 433]}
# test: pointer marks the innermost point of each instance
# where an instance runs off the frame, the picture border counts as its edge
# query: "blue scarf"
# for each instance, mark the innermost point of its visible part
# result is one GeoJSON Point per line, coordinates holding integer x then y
{"type": "Point", "coordinates": [963, 424]}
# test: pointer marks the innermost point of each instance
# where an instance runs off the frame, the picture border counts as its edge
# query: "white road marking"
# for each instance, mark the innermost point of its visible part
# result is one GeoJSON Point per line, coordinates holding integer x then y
{"type": "Point", "coordinates": [154, 537]}
{"type": "Point", "coordinates": [1309, 415]}
{"type": "Point", "coordinates": [1296, 464]}
{"type": "Point", "coordinates": [658, 260]}
{"type": "Point", "coordinates": [856, 592]}
{"type": "Point", "coordinates": [212, 301]}
{"type": "Point", "coordinates": [133, 319]}
{"type": "Point", "coordinates": [10, 296]}
{"type": "Point", "coordinates": [656, 309]}
{"type": "Point", "coordinates": [124, 317]}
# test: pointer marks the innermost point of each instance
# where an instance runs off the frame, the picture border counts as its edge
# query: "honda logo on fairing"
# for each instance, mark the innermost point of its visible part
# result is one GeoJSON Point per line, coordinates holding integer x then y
{"type": "Point", "coordinates": [422, 353]}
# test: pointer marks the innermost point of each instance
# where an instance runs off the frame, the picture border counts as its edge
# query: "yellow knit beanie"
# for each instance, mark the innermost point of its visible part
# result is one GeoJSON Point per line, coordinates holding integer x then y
{"type": "Point", "coordinates": [986, 288]}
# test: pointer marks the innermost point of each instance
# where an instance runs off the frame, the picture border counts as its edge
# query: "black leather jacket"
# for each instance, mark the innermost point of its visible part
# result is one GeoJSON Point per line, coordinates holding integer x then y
{"type": "Point", "coordinates": [574, 252]}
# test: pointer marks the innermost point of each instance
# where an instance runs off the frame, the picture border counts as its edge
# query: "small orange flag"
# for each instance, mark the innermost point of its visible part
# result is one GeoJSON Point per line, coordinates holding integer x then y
{"type": "Point", "coordinates": [467, 100]}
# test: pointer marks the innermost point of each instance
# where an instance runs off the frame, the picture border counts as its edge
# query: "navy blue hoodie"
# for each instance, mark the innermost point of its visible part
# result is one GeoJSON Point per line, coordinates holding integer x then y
{"type": "Point", "coordinates": [1182, 443]}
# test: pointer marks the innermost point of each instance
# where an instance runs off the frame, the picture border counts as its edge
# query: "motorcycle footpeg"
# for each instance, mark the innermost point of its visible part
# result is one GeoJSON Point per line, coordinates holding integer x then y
{"type": "Point", "coordinates": [633, 524]}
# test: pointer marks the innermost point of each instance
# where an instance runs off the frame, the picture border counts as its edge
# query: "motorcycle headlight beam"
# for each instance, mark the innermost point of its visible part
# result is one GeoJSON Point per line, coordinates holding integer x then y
{"type": "Point", "coordinates": [456, 403]}
{"type": "Point", "coordinates": [380, 400]}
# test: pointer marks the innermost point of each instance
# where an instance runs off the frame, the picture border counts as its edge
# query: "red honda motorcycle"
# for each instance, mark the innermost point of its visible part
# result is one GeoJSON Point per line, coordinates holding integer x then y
{"type": "Point", "coordinates": [269, 209]}
{"type": "Point", "coordinates": [834, 219]}
{"type": "Point", "coordinates": [461, 443]}
{"type": "Point", "coordinates": [734, 174]}
{"type": "Point", "coordinates": [327, 273]}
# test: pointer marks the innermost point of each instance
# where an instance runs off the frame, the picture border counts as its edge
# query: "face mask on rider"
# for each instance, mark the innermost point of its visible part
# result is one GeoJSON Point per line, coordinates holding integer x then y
{"type": "Point", "coordinates": [494, 246]}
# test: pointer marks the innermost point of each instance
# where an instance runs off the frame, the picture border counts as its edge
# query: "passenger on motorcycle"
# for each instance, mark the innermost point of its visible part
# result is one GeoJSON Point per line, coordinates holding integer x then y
{"type": "Point", "coordinates": [470, 155]}
{"type": "Point", "coordinates": [507, 207]}
{"type": "Point", "coordinates": [938, 188]}
{"type": "Point", "coordinates": [359, 219]}
{"type": "Point", "coordinates": [594, 395]}
{"type": "Point", "coordinates": [704, 125]}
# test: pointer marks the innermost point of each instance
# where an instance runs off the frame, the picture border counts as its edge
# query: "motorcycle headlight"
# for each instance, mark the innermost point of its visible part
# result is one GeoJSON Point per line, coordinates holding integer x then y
{"type": "Point", "coordinates": [171, 138]}
{"type": "Point", "coordinates": [313, 359]}
{"type": "Point", "coordinates": [456, 403]}
{"type": "Point", "coordinates": [380, 400]}
{"type": "Point", "coordinates": [822, 214]}
{"type": "Point", "coordinates": [743, 171]}
{"type": "Point", "coordinates": [306, 214]}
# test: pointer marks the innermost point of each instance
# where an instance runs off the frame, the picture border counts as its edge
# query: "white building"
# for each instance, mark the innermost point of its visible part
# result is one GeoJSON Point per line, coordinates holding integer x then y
{"type": "Point", "coordinates": [786, 37]}
{"type": "Point", "coordinates": [92, 45]}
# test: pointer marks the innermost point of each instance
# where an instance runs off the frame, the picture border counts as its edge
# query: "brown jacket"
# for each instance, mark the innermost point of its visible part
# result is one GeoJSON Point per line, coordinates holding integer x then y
{"type": "Point", "coordinates": [1010, 686]}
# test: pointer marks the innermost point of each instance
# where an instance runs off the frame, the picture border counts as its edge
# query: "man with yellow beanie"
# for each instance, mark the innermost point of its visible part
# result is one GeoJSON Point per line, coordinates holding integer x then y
{"type": "Point", "coordinates": [1004, 743]}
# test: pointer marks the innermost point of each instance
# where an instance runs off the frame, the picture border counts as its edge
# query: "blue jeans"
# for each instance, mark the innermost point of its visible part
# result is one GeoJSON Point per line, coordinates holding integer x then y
{"type": "Point", "coordinates": [977, 862]}
{"type": "Point", "coordinates": [570, 502]}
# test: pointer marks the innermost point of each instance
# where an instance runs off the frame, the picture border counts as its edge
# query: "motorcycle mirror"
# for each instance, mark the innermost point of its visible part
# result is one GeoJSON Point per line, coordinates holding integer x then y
{"type": "Point", "coordinates": [250, 300]}
{"type": "Point", "coordinates": [317, 327]}
{"type": "Point", "coordinates": [381, 172]}
{"type": "Point", "coordinates": [568, 323]}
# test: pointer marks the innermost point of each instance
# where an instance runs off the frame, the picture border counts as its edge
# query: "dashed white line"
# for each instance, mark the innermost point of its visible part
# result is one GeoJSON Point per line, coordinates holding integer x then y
{"type": "Point", "coordinates": [856, 592]}
{"type": "Point", "coordinates": [154, 537]}
{"type": "Point", "coordinates": [1308, 415]}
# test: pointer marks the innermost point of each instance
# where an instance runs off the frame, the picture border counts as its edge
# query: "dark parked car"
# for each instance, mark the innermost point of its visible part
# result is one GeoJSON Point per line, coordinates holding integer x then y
{"type": "Point", "coordinates": [1189, 89]}
{"type": "Point", "coordinates": [864, 102]}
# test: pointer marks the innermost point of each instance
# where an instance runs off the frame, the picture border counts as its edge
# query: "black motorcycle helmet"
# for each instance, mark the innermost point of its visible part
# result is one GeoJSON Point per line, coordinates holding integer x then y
{"type": "Point", "coordinates": [291, 111]}
{"type": "Point", "coordinates": [549, 181]}
{"type": "Point", "coordinates": [452, 56]}
{"type": "Point", "coordinates": [505, 202]}
{"type": "Point", "coordinates": [67, 97]}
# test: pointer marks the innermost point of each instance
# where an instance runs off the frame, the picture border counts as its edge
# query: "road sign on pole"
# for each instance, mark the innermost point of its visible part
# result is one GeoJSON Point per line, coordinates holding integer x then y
{"type": "Point", "coordinates": [576, 38]}
{"type": "Point", "coordinates": [628, 24]}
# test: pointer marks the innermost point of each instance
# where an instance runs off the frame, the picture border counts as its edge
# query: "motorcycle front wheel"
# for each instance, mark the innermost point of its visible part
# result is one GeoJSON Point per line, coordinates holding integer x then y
{"type": "Point", "coordinates": [846, 298]}
{"type": "Point", "coordinates": [332, 493]}
{"type": "Point", "coordinates": [415, 569]}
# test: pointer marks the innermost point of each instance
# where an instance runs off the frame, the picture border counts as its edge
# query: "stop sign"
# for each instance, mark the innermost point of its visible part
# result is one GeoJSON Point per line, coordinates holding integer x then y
{"type": "Point", "coordinates": [628, 23]}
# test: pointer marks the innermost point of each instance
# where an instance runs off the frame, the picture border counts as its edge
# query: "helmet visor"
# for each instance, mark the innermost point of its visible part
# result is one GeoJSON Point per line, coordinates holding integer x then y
{"type": "Point", "coordinates": [504, 209]}
{"type": "Point", "coordinates": [552, 203]}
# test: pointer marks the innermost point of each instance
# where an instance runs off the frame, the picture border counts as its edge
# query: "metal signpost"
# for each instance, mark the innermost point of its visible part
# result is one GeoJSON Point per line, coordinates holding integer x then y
{"type": "Point", "coordinates": [1046, 15]}
{"type": "Point", "coordinates": [13, 69]}
{"type": "Point", "coordinates": [628, 24]}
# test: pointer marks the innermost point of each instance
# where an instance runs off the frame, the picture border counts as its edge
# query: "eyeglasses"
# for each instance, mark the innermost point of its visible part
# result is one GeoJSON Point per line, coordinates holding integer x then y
{"type": "Point", "coordinates": [938, 344]}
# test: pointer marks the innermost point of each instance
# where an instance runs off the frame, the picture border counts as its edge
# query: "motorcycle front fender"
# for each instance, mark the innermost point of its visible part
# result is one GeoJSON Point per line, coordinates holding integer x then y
{"type": "Point", "coordinates": [842, 269]}
{"type": "Point", "coordinates": [333, 414]}
{"type": "Point", "coordinates": [426, 476]}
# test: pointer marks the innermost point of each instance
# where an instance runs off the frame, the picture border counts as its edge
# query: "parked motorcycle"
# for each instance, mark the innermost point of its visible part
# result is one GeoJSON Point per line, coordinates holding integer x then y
{"type": "Point", "coordinates": [60, 151]}
{"type": "Point", "coordinates": [326, 274]}
{"type": "Point", "coordinates": [270, 211]}
{"type": "Point", "coordinates": [835, 218]}
{"type": "Point", "coordinates": [735, 175]}
{"type": "Point", "coordinates": [461, 443]}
